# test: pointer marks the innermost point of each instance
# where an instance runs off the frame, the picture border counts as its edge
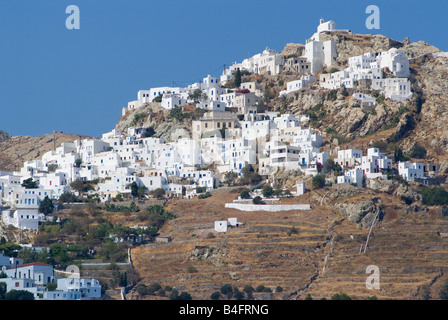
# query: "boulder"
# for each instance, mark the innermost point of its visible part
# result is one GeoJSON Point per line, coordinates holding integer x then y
{"type": "Point", "coordinates": [361, 213]}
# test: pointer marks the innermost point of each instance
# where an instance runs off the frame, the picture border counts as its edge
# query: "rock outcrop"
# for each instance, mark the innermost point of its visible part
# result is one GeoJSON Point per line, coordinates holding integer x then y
{"type": "Point", "coordinates": [361, 213]}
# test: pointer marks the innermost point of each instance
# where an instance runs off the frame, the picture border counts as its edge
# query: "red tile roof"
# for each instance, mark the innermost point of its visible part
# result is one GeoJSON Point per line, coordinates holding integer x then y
{"type": "Point", "coordinates": [31, 264]}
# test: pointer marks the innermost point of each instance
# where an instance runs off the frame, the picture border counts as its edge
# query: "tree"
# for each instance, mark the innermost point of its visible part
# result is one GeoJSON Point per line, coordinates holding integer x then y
{"type": "Point", "coordinates": [141, 191]}
{"type": "Point", "coordinates": [3, 288]}
{"type": "Point", "coordinates": [51, 286]}
{"type": "Point", "coordinates": [215, 295]}
{"type": "Point", "coordinates": [195, 95]}
{"type": "Point", "coordinates": [46, 206]}
{"type": "Point", "coordinates": [418, 152]}
{"type": "Point", "coordinates": [176, 113]}
{"type": "Point", "coordinates": [245, 194]}
{"type": "Point", "coordinates": [78, 163]}
{"type": "Point", "coordinates": [257, 200]}
{"type": "Point", "coordinates": [158, 193]}
{"type": "Point", "coordinates": [158, 98]}
{"type": "Point", "coordinates": [227, 290]}
{"type": "Point", "coordinates": [184, 296]}
{"type": "Point", "coordinates": [230, 177]}
{"type": "Point", "coordinates": [318, 181]}
{"type": "Point", "coordinates": [134, 189]}
{"type": "Point", "coordinates": [267, 191]}
{"type": "Point", "coordinates": [237, 78]}
{"type": "Point", "coordinates": [239, 295]}
{"type": "Point", "coordinates": [333, 166]}
{"type": "Point", "coordinates": [9, 249]}
{"type": "Point", "coordinates": [340, 296]}
{"type": "Point", "coordinates": [30, 184]}
{"type": "Point", "coordinates": [77, 185]}
{"type": "Point", "coordinates": [18, 295]}
{"type": "Point", "coordinates": [399, 156]}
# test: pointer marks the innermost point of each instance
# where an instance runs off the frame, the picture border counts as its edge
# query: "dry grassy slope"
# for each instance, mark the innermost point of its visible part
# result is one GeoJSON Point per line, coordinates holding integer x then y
{"type": "Point", "coordinates": [15, 150]}
{"type": "Point", "coordinates": [324, 255]}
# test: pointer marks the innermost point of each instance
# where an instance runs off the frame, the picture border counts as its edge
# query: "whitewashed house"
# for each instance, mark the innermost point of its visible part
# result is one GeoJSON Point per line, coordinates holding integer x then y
{"type": "Point", "coordinates": [295, 85]}
{"type": "Point", "coordinates": [411, 171]}
{"type": "Point", "coordinates": [366, 101]}
{"type": "Point", "coordinates": [349, 158]}
{"type": "Point", "coordinates": [33, 277]}
{"type": "Point", "coordinates": [25, 214]}
{"type": "Point", "coordinates": [353, 176]}
{"type": "Point", "coordinates": [85, 289]}
{"type": "Point", "coordinates": [396, 61]}
{"type": "Point", "coordinates": [172, 100]}
{"type": "Point", "coordinates": [397, 89]}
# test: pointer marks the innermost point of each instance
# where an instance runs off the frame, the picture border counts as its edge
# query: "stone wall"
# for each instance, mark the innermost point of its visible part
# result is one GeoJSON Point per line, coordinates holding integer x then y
{"type": "Point", "coordinates": [264, 207]}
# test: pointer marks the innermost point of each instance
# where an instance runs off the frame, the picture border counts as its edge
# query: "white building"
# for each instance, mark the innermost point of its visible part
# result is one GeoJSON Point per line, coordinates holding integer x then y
{"type": "Point", "coordinates": [320, 54]}
{"type": "Point", "coordinates": [349, 158]}
{"type": "Point", "coordinates": [396, 61]}
{"type": "Point", "coordinates": [295, 85]}
{"type": "Point", "coordinates": [328, 26]}
{"type": "Point", "coordinates": [34, 277]}
{"type": "Point", "coordinates": [172, 100]}
{"type": "Point", "coordinates": [85, 289]}
{"type": "Point", "coordinates": [25, 214]}
{"type": "Point", "coordinates": [353, 176]}
{"type": "Point", "coordinates": [367, 101]}
{"type": "Point", "coordinates": [411, 171]}
{"type": "Point", "coordinates": [398, 89]}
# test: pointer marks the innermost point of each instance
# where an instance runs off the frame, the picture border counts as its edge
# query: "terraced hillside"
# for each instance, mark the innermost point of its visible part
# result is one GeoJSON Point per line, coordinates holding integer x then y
{"type": "Point", "coordinates": [320, 256]}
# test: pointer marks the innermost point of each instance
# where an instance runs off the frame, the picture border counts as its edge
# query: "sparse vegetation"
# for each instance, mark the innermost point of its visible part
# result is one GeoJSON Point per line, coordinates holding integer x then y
{"type": "Point", "coordinates": [341, 296]}
{"type": "Point", "coordinates": [434, 196]}
{"type": "Point", "coordinates": [318, 181]}
{"type": "Point", "coordinates": [418, 152]}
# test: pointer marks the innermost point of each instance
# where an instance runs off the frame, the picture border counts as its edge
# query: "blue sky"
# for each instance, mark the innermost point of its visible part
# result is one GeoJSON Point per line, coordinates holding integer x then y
{"type": "Point", "coordinates": [77, 81]}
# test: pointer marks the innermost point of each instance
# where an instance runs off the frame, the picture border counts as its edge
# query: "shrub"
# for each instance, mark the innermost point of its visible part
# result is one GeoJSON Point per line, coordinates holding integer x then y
{"type": "Point", "coordinates": [293, 230]}
{"type": "Point", "coordinates": [434, 196]}
{"type": "Point", "coordinates": [262, 288]}
{"type": "Point", "coordinates": [443, 292]}
{"type": "Point", "coordinates": [192, 269]}
{"type": "Point", "coordinates": [227, 290]}
{"type": "Point", "coordinates": [267, 191]}
{"type": "Point", "coordinates": [245, 194]}
{"type": "Point", "coordinates": [318, 181]}
{"type": "Point", "coordinates": [257, 200]}
{"type": "Point", "coordinates": [418, 152]}
{"type": "Point", "coordinates": [239, 295]}
{"type": "Point", "coordinates": [340, 296]}
{"type": "Point", "coordinates": [204, 195]}
{"type": "Point", "coordinates": [215, 295]}
{"type": "Point", "coordinates": [333, 70]}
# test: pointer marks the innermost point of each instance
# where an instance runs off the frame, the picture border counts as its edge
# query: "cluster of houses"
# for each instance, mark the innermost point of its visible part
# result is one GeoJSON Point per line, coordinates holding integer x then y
{"type": "Point", "coordinates": [363, 71]}
{"type": "Point", "coordinates": [375, 165]}
{"type": "Point", "coordinates": [234, 131]}
{"type": "Point", "coordinates": [34, 277]}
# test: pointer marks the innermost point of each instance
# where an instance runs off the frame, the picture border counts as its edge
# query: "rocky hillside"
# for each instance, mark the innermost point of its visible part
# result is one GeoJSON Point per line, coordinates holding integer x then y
{"type": "Point", "coordinates": [318, 252]}
{"type": "Point", "coordinates": [420, 120]}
